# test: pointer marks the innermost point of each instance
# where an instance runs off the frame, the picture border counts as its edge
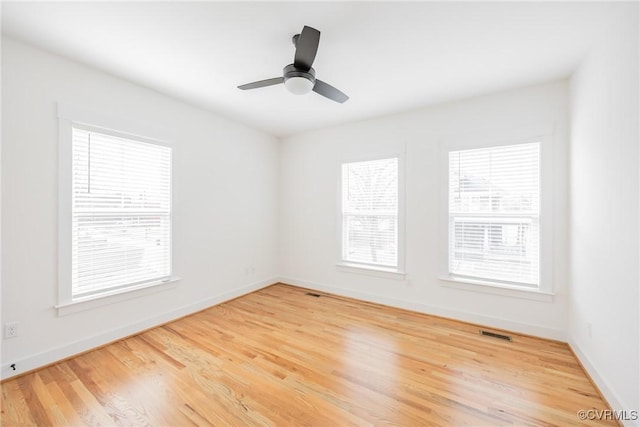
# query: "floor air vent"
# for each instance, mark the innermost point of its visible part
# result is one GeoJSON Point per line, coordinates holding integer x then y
{"type": "Point", "coordinates": [495, 335]}
{"type": "Point", "coordinates": [311, 294]}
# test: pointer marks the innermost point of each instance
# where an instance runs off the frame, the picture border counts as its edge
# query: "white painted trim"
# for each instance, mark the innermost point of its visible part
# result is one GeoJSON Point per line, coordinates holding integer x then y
{"type": "Point", "coordinates": [496, 288]}
{"type": "Point", "coordinates": [64, 209]}
{"type": "Point", "coordinates": [155, 132]}
{"type": "Point", "coordinates": [117, 295]}
{"type": "Point", "coordinates": [53, 355]}
{"type": "Point", "coordinates": [542, 132]}
{"type": "Point", "coordinates": [603, 386]}
{"type": "Point", "coordinates": [371, 271]}
{"type": "Point", "coordinates": [70, 116]}
{"type": "Point", "coordinates": [480, 319]}
{"type": "Point", "coordinates": [401, 249]}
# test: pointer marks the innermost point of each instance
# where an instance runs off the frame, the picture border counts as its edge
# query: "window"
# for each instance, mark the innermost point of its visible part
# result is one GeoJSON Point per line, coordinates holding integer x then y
{"type": "Point", "coordinates": [120, 212]}
{"type": "Point", "coordinates": [494, 214]}
{"type": "Point", "coordinates": [370, 227]}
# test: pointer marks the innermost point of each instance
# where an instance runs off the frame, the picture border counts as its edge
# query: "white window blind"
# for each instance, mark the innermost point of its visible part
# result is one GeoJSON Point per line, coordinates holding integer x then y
{"type": "Point", "coordinates": [370, 213]}
{"type": "Point", "coordinates": [121, 212]}
{"type": "Point", "coordinates": [494, 214]}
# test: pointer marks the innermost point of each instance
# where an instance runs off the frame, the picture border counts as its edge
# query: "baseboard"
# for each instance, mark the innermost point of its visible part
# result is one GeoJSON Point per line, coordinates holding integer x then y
{"type": "Point", "coordinates": [601, 384]}
{"type": "Point", "coordinates": [495, 322]}
{"type": "Point", "coordinates": [56, 354]}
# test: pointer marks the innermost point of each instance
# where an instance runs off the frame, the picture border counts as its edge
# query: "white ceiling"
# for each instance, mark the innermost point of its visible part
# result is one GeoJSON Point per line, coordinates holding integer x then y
{"type": "Point", "coordinates": [387, 56]}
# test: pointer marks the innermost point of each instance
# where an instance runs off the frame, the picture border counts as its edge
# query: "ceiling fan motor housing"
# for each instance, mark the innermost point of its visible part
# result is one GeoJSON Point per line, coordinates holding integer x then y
{"type": "Point", "coordinates": [299, 81]}
{"type": "Point", "coordinates": [291, 71]}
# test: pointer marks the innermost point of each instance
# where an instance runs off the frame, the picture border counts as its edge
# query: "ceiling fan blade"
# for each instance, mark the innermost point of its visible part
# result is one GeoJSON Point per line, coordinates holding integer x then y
{"type": "Point", "coordinates": [262, 83]}
{"type": "Point", "coordinates": [306, 48]}
{"type": "Point", "coordinates": [330, 92]}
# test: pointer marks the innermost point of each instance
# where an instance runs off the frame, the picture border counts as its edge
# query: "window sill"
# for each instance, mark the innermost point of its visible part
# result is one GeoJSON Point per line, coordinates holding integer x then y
{"type": "Point", "coordinates": [488, 287]}
{"type": "Point", "coordinates": [371, 271]}
{"type": "Point", "coordinates": [110, 297]}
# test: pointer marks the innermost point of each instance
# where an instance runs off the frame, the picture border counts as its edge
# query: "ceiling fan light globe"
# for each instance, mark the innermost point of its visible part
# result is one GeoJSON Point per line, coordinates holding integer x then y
{"type": "Point", "coordinates": [298, 85]}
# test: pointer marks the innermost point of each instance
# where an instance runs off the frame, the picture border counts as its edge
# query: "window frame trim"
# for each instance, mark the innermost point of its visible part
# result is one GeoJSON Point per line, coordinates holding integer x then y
{"type": "Point", "coordinates": [70, 116]}
{"type": "Point", "coordinates": [537, 132]}
{"type": "Point", "coordinates": [364, 268]}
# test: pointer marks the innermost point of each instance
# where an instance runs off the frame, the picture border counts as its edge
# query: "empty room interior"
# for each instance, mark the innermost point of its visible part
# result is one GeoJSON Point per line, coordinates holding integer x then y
{"type": "Point", "coordinates": [310, 213]}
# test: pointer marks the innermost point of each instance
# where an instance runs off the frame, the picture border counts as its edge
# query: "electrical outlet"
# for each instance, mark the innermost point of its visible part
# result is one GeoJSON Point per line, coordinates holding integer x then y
{"type": "Point", "coordinates": [11, 330]}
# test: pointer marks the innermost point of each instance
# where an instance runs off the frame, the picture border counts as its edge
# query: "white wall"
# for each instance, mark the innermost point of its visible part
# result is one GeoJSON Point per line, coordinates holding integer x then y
{"type": "Point", "coordinates": [225, 206]}
{"type": "Point", "coordinates": [309, 201]}
{"type": "Point", "coordinates": [604, 212]}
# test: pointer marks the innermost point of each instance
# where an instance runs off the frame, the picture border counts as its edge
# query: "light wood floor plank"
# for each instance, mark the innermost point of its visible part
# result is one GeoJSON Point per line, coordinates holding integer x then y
{"type": "Point", "coordinates": [279, 357]}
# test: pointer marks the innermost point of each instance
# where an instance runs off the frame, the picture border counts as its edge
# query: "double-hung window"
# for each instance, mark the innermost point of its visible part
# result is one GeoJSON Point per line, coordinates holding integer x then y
{"type": "Point", "coordinates": [370, 220]}
{"type": "Point", "coordinates": [494, 214]}
{"type": "Point", "coordinates": [120, 225]}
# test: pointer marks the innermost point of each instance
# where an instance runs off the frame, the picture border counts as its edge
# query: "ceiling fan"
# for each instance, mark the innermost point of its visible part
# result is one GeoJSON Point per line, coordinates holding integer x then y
{"type": "Point", "coordinates": [299, 78]}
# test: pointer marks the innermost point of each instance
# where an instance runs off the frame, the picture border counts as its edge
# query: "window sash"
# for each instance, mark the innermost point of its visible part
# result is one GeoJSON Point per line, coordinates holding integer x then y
{"type": "Point", "coordinates": [370, 223]}
{"type": "Point", "coordinates": [495, 249]}
{"type": "Point", "coordinates": [494, 214]}
{"type": "Point", "coordinates": [120, 213]}
{"type": "Point", "coordinates": [379, 229]}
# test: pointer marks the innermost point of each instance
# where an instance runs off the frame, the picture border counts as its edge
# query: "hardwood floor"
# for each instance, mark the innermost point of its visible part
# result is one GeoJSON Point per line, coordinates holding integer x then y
{"type": "Point", "coordinates": [281, 357]}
